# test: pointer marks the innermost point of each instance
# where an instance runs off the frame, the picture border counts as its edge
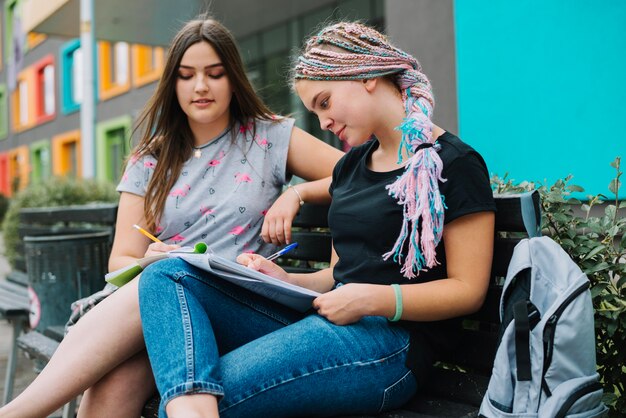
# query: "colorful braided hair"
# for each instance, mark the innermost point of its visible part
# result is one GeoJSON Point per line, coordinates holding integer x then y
{"type": "Point", "coordinates": [352, 51]}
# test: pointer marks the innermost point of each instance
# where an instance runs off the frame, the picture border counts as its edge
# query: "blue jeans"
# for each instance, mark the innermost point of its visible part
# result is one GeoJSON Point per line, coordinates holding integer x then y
{"type": "Point", "coordinates": [261, 359]}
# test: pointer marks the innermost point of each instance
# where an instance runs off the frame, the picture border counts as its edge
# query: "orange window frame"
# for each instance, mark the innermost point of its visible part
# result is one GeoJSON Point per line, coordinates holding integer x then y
{"type": "Point", "coordinates": [33, 39]}
{"type": "Point", "coordinates": [61, 154]}
{"type": "Point", "coordinates": [108, 87]}
{"type": "Point", "coordinates": [39, 94]}
{"type": "Point", "coordinates": [19, 167]}
{"type": "Point", "coordinates": [147, 64]}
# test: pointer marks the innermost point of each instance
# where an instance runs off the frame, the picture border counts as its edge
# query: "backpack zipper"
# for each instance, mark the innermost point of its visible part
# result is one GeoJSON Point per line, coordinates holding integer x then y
{"type": "Point", "coordinates": [549, 332]}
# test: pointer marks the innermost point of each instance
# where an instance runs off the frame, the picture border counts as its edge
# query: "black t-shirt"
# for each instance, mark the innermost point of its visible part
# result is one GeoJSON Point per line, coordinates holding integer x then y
{"type": "Point", "coordinates": [365, 222]}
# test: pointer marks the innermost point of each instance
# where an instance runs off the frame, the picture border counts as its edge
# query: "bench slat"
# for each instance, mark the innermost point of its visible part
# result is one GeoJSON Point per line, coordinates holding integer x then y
{"type": "Point", "coordinates": [312, 246]}
{"type": "Point", "coordinates": [476, 352]}
{"type": "Point", "coordinates": [312, 216]}
{"type": "Point", "coordinates": [509, 214]}
{"type": "Point", "coordinates": [13, 300]}
{"type": "Point", "coordinates": [37, 345]}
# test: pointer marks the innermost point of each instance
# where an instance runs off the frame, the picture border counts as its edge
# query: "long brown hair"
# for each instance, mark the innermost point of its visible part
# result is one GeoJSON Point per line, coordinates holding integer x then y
{"type": "Point", "coordinates": [166, 134]}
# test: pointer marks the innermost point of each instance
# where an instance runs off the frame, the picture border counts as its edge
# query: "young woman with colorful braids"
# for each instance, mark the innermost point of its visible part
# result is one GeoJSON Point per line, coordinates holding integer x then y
{"type": "Point", "coordinates": [211, 160]}
{"type": "Point", "coordinates": [412, 224]}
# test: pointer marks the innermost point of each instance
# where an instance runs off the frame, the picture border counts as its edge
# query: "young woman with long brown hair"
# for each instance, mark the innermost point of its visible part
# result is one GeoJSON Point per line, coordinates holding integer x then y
{"type": "Point", "coordinates": [211, 160]}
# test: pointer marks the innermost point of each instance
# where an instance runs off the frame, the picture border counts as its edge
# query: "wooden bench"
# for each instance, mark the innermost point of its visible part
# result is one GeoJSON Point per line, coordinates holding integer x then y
{"type": "Point", "coordinates": [457, 384]}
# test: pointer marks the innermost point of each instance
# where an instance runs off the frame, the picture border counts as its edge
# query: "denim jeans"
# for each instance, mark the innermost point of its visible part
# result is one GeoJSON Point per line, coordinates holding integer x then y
{"type": "Point", "coordinates": [261, 359]}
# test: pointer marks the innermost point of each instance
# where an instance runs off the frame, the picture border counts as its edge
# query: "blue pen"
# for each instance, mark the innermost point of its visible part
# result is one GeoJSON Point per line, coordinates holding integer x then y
{"type": "Point", "coordinates": [283, 251]}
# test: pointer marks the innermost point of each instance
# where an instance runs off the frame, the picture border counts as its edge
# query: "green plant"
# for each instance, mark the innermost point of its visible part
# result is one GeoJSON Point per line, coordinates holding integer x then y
{"type": "Point", "coordinates": [594, 235]}
{"type": "Point", "coordinates": [4, 206]}
{"type": "Point", "coordinates": [56, 191]}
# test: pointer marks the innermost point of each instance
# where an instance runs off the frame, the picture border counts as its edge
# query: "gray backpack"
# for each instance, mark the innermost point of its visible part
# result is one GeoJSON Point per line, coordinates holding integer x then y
{"type": "Point", "coordinates": [545, 365]}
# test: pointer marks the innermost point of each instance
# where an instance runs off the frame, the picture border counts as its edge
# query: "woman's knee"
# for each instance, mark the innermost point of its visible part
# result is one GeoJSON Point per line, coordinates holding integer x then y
{"type": "Point", "coordinates": [162, 272]}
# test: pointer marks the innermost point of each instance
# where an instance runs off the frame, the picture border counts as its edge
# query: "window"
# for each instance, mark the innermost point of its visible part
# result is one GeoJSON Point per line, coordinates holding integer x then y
{"type": "Point", "coordinates": [4, 112]}
{"type": "Point", "coordinates": [45, 97]}
{"type": "Point", "coordinates": [113, 69]}
{"type": "Point", "coordinates": [40, 158]}
{"type": "Point", "coordinates": [112, 146]}
{"type": "Point", "coordinates": [71, 74]}
{"type": "Point", "coordinates": [23, 103]}
{"type": "Point", "coordinates": [148, 64]}
{"type": "Point", "coordinates": [18, 168]}
{"type": "Point", "coordinates": [10, 8]}
{"type": "Point", "coordinates": [267, 55]}
{"type": "Point", "coordinates": [66, 157]}
{"type": "Point", "coordinates": [77, 76]}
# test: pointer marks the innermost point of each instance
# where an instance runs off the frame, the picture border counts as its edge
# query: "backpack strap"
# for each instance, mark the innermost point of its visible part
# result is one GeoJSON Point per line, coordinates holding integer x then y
{"type": "Point", "coordinates": [522, 340]}
{"type": "Point", "coordinates": [531, 215]}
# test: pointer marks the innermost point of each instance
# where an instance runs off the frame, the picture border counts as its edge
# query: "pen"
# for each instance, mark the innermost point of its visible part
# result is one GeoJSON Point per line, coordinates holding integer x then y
{"type": "Point", "coordinates": [146, 233]}
{"type": "Point", "coordinates": [283, 251]}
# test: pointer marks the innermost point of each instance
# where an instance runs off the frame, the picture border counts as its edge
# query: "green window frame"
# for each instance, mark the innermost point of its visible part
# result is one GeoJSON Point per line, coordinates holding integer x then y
{"type": "Point", "coordinates": [4, 112]}
{"type": "Point", "coordinates": [41, 161]}
{"type": "Point", "coordinates": [112, 146]}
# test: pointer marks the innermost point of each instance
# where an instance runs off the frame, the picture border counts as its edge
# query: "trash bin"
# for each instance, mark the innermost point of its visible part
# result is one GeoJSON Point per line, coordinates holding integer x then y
{"type": "Point", "coordinates": [62, 269]}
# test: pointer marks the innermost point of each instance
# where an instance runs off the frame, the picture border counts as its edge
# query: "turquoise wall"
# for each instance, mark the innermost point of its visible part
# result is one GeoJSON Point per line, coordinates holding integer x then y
{"type": "Point", "coordinates": [542, 87]}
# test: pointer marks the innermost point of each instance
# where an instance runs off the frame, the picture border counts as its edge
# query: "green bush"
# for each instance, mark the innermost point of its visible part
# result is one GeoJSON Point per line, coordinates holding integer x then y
{"type": "Point", "coordinates": [594, 235]}
{"type": "Point", "coordinates": [59, 191]}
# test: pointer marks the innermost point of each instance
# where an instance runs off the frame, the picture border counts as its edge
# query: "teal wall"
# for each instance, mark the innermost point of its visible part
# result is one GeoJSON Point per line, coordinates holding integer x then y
{"type": "Point", "coordinates": [542, 87]}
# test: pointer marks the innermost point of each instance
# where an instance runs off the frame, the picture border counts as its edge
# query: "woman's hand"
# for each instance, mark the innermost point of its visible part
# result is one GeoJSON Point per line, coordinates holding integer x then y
{"type": "Point", "coordinates": [260, 263]}
{"type": "Point", "coordinates": [158, 248]}
{"type": "Point", "coordinates": [277, 223]}
{"type": "Point", "coordinates": [346, 304]}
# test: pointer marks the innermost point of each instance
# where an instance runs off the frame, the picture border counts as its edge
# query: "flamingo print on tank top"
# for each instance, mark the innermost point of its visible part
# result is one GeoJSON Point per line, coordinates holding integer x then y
{"type": "Point", "coordinates": [212, 164]}
{"type": "Point", "coordinates": [238, 230]}
{"type": "Point", "coordinates": [206, 212]}
{"type": "Point", "coordinates": [242, 178]}
{"type": "Point", "coordinates": [180, 193]}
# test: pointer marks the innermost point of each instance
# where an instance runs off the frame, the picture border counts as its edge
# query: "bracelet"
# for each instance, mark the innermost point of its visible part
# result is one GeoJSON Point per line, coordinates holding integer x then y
{"type": "Point", "coordinates": [398, 293]}
{"type": "Point", "coordinates": [297, 194]}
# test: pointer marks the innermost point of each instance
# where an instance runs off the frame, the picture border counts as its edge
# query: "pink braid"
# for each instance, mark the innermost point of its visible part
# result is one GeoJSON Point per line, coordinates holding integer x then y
{"type": "Point", "coordinates": [350, 51]}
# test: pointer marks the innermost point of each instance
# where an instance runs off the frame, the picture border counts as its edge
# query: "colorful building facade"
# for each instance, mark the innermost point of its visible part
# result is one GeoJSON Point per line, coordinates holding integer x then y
{"type": "Point", "coordinates": [537, 87]}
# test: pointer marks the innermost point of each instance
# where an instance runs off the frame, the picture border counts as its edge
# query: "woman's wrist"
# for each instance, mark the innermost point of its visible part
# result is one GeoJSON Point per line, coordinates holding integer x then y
{"type": "Point", "coordinates": [298, 194]}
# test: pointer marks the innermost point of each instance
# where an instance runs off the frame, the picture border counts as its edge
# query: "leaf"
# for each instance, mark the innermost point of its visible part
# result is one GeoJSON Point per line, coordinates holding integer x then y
{"type": "Point", "coordinates": [609, 211]}
{"type": "Point", "coordinates": [615, 185]}
{"type": "Point", "coordinates": [576, 188]}
{"type": "Point", "coordinates": [622, 205]}
{"type": "Point", "coordinates": [598, 267]}
{"type": "Point", "coordinates": [594, 252]}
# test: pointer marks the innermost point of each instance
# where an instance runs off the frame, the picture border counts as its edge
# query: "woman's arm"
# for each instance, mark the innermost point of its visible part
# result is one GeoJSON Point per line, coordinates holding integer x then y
{"type": "Point", "coordinates": [468, 243]}
{"type": "Point", "coordinates": [313, 160]}
{"type": "Point", "coordinates": [128, 244]}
